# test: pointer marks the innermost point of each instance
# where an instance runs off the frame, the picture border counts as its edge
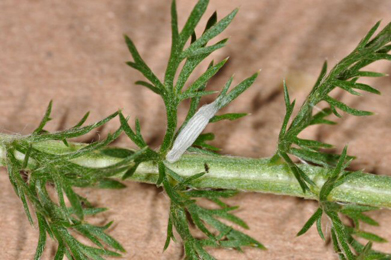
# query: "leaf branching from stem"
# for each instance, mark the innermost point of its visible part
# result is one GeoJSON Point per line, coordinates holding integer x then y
{"type": "Point", "coordinates": [344, 75]}
{"type": "Point", "coordinates": [173, 91]}
{"type": "Point", "coordinates": [34, 176]}
{"type": "Point", "coordinates": [344, 237]}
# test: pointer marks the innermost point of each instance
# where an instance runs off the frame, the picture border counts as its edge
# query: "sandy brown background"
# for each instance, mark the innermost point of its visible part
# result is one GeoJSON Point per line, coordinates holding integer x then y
{"type": "Point", "coordinates": [73, 52]}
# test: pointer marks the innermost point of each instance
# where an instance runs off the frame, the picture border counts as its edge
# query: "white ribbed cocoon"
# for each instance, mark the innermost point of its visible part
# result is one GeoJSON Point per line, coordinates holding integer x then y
{"type": "Point", "coordinates": [191, 131]}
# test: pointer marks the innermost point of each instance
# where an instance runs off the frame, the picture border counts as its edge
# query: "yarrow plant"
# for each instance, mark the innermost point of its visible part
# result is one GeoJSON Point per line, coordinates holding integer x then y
{"type": "Point", "coordinates": [45, 168]}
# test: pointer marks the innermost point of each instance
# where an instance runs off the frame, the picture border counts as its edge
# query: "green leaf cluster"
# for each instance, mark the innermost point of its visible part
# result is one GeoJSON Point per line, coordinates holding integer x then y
{"type": "Point", "coordinates": [187, 52]}
{"type": "Point", "coordinates": [172, 91]}
{"type": "Point", "coordinates": [34, 176]}
{"type": "Point", "coordinates": [344, 236]}
{"type": "Point", "coordinates": [344, 75]}
{"type": "Point", "coordinates": [185, 212]}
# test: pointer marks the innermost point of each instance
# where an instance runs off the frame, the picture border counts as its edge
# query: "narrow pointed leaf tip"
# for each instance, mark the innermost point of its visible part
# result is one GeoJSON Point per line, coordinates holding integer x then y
{"type": "Point", "coordinates": [226, 98]}
{"type": "Point", "coordinates": [46, 118]}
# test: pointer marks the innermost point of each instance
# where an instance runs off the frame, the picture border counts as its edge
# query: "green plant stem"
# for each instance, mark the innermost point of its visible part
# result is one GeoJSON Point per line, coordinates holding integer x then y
{"type": "Point", "coordinates": [244, 174]}
{"type": "Point", "coordinates": [172, 121]}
